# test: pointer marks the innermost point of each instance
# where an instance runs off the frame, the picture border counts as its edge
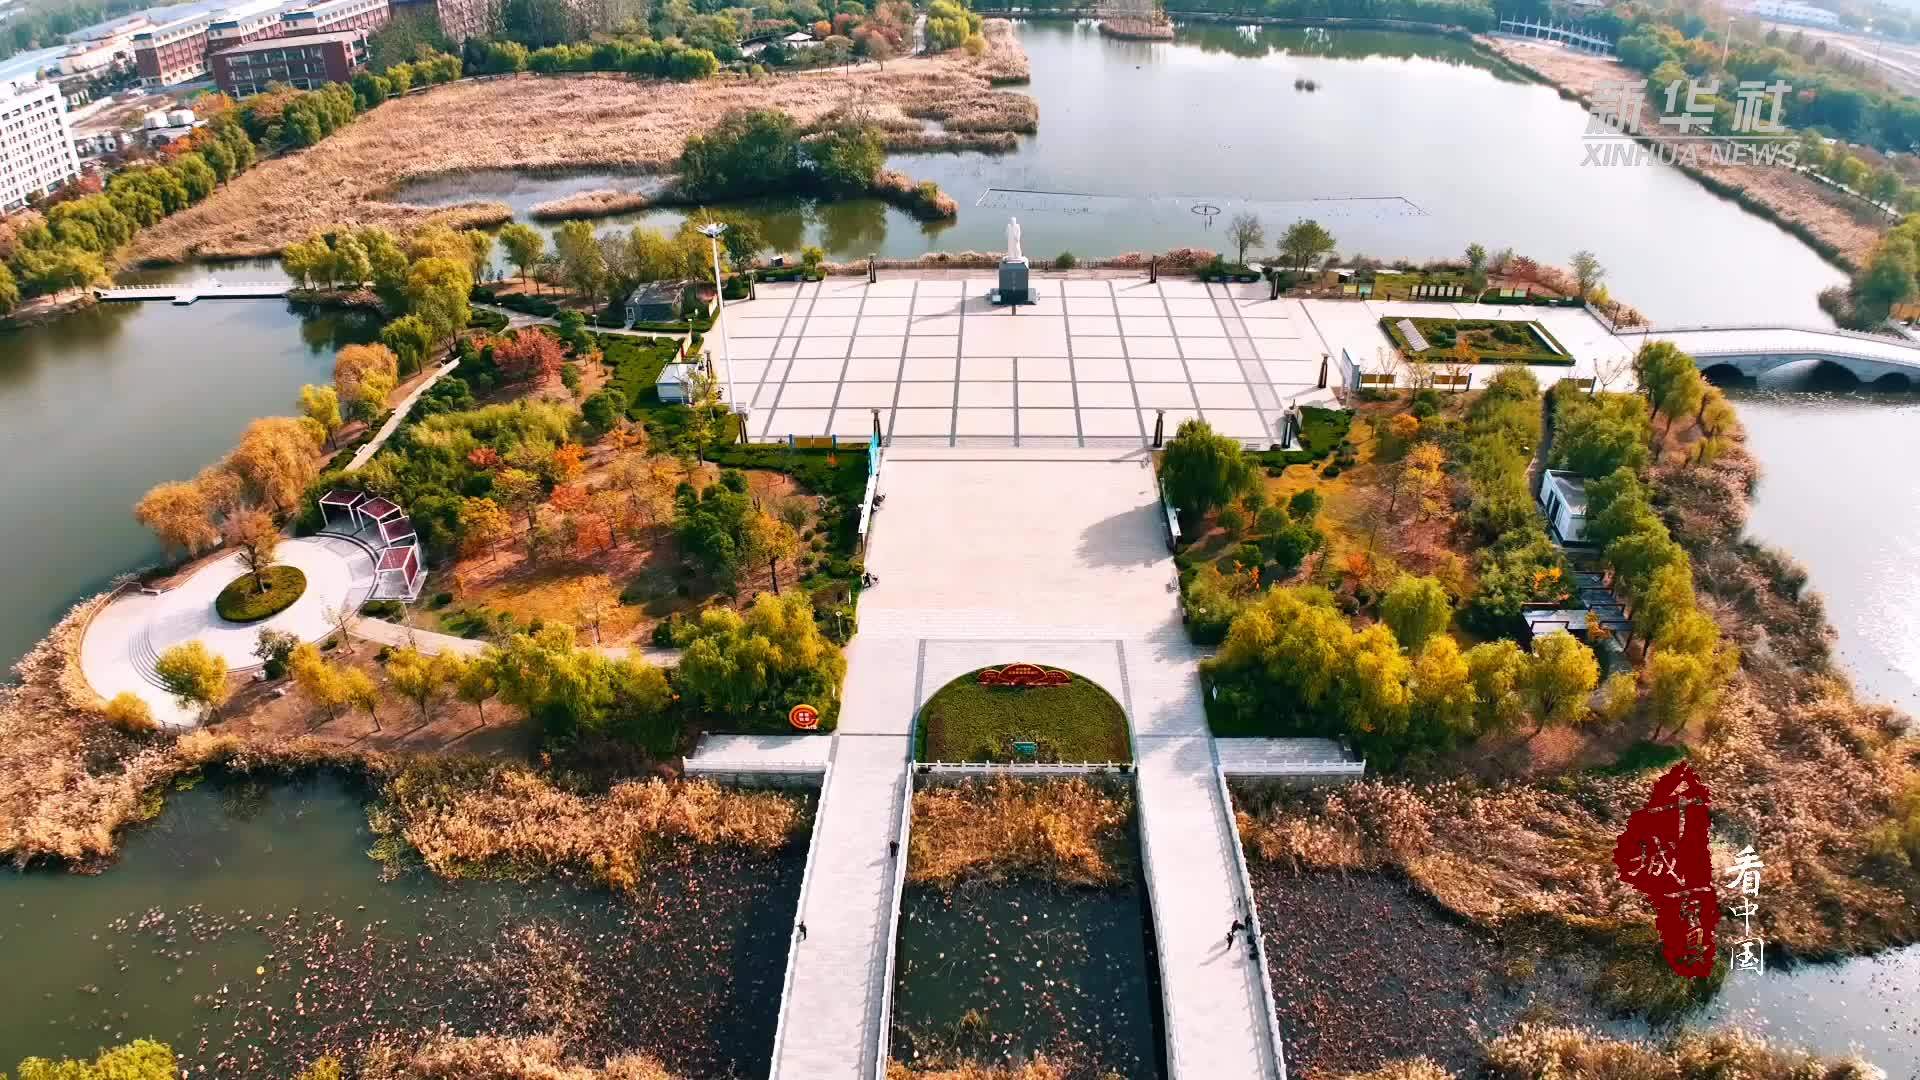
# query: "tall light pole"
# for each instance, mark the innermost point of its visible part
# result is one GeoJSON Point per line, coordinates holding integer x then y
{"type": "Point", "coordinates": [712, 231]}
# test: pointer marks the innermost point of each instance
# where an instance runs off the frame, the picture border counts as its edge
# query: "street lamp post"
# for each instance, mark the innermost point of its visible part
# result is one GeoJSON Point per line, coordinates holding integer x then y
{"type": "Point", "coordinates": [712, 231]}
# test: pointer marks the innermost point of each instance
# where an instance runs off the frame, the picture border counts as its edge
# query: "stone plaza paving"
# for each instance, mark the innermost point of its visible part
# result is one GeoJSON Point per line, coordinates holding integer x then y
{"type": "Point", "coordinates": [1092, 363]}
{"type": "Point", "coordinates": [984, 556]}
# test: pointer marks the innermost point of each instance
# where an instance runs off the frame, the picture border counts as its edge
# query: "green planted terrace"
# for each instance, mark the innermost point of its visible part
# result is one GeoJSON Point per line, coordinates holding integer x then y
{"type": "Point", "coordinates": [1491, 341]}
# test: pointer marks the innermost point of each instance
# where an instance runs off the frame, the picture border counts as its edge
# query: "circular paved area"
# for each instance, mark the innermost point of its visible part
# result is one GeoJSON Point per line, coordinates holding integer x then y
{"type": "Point", "coordinates": [127, 637]}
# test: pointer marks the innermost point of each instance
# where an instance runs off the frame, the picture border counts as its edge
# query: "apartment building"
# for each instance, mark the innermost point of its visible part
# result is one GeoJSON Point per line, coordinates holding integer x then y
{"type": "Point", "coordinates": [302, 61]}
{"type": "Point", "coordinates": [36, 146]}
{"type": "Point", "coordinates": [180, 50]}
{"type": "Point", "coordinates": [329, 16]}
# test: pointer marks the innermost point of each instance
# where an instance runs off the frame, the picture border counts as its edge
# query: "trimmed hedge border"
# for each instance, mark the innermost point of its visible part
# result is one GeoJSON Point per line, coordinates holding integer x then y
{"type": "Point", "coordinates": [240, 603]}
{"type": "Point", "coordinates": [1563, 358]}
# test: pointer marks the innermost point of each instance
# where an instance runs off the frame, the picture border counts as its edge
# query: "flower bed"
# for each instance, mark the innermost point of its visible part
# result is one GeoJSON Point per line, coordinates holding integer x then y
{"type": "Point", "coordinates": [243, 601]}
{"type": "Point", "coordinates": [1077, 721]}
{"type": "Point", "coordinates": [1493, 341]}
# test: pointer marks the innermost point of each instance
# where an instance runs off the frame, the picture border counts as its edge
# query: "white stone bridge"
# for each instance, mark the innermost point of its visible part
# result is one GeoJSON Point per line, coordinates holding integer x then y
{"type": "Point", "coordinates": [1753, 351]}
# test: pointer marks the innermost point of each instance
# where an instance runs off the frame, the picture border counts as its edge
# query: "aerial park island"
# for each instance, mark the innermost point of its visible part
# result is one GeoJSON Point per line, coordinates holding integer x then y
{"type": "Point", "coordinates": [562, 543]}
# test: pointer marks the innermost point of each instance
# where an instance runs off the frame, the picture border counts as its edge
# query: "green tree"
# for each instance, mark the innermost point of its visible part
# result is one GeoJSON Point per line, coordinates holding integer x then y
{"type": "Point", "coordinates": [1444, 696]}
{"type": "Point", "coordinates": [752, 667]}
{"type": "Point", "coordinates": [1665, 601]}
{"type": "Point", "coordinates": [846, 156]}
{"type": "Point", "coordinates": [715, 525]}
{"type": "Point", "coordinates": [524, 244]}
{"type": "Point", "coordinates": [1202, 470]}
{"type": "Point", "coordinates": [476, 683]}
{"type": "Point", "coordinates": [1498, 670]}
{"type": "Point", "coordinates": [1559, 675]}
{"type": "Point", "coordinates": [1416, 608]}
{"type": "Point", "coordinates": [195, 675]}
{"type": "Point", "coordinates": [9, 290]}
{"type": "Point", "coordinates": [1305, 241]}
{"type": "Point", "coordinates": [582, 263]}
{"type": "Point", "coordinates": [411, 339]}
{"type": "Point", "coordinates": [438, 292]}
{"type": "Point", "coordinates": [321, 404]}
{"type": "Point", "coordinates": [420, 678]}
{"type": "Point", "coordinates": [1680, 689]}
{"type": "Point", "coordinates": [949, 25]}
{"type": "Point", "coordinates": [746, 153]}
{"type": "Point", "coordinates": [1594, 436]}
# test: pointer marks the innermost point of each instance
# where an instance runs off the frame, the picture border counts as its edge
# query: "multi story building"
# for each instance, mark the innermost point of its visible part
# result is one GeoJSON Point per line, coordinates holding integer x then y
{"type": "Point", "coordinates": [36, 147]}
{"type": "Point", "coordinates": [179, 51]}
{"type": "Point", "coordinates": [328, 16]}
{"type": "Point", "coordinates": [302, 61]}
{"type": "Point", "coordinates": [1793, 11]}
{"type": "Point", "coordinates": [172, 52]}
{"type": "Point", "coordinates": [237, 27]}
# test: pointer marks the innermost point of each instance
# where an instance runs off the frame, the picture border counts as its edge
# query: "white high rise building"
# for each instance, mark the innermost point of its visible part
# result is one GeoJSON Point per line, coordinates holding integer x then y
{"type": "Point", "coordinates": [36, 147]}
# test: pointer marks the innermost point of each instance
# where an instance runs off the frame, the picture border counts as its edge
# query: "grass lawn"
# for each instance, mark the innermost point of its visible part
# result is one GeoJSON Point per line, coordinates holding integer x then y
{"type": "Point", "coordinates": [1493, 341]}
{"type": "Point", "coordinates": [242, 601]}
{"type": "Point", "coordinates": [965, 721]}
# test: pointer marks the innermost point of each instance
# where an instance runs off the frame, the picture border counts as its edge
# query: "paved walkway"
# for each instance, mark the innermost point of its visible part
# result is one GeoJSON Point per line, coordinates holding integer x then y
{"type": "Point", "coordinates": [1054, 556]}
{"type": "Point", "coordinates": [400, 412]}
{"type": "Point", "coordinates": [125, 640]}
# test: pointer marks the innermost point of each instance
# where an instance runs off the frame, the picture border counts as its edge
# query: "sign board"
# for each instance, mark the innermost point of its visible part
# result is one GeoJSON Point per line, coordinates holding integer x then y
{"type": "Point", "coordinates": [804, 717]}
{"type": "Point", "coordinates": [1026, 749]}
{"type": "Point", "coordinates": [1023, 675]}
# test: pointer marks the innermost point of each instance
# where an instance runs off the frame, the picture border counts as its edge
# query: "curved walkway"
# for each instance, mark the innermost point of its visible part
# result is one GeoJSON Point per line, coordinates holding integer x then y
{"type": "Point", "coordinates": [125, 640]}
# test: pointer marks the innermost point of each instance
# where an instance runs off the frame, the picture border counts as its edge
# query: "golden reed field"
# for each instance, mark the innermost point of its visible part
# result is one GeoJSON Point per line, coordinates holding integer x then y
{"type": "Point", "coordinates": [558, 122]}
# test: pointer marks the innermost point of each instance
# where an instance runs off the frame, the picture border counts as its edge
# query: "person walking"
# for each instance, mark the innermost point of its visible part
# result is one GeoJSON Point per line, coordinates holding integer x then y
{"type": "Point", "coordinates": [803, 931]}
{"type": "Point", "coordinates": [1234, 929]}
{"type": "Point", "coordinates": [893, 849]}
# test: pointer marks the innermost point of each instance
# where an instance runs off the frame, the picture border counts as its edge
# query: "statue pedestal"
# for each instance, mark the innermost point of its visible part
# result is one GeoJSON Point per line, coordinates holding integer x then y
{"type": "Point", "coordinates": [1013, 288]}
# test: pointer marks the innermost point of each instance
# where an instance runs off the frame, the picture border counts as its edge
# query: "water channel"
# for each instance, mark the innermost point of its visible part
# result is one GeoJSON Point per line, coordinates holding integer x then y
{"type": "Point", "coordinates": [97, 407]}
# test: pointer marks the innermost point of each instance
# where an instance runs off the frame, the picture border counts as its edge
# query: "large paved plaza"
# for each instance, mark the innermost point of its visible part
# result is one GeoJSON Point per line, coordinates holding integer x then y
{"type": "Point", "coordinates": [1093, 363]}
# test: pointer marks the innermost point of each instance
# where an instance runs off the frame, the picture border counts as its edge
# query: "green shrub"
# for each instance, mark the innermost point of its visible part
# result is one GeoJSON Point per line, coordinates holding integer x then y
{"type": "Point", "coordinates": [382, 609]}
{"type": "Point", "coordinates": [244, 601]}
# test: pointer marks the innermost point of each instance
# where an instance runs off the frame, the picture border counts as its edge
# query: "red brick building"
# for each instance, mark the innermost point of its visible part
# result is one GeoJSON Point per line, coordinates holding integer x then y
{"type": "Point", "coordinates": [331, 15]}
{"type": "Point", "coordinates": [302, 61]}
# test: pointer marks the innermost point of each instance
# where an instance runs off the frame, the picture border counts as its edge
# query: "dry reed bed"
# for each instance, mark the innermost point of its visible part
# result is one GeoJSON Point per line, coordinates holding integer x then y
{"type": "Point", "coordinates": [1538, 1052]}
{"type": "Point", "coordinates": [579, 122]}
{"type": "Point", "coordinates": [468, 818]}
{"type": "Point", "coordinates": [1798, 768]}
{"type": "Point", "coordinates": [1065, 830]}
{"type": "Point", "coordinates": [486, 1057]}
{"type": "Point", "coordinates": [1037, 1069]}
{"type": "Point", "coordinates": [590, 204]}
{"type": "Point", "coordinates": [69, 783]}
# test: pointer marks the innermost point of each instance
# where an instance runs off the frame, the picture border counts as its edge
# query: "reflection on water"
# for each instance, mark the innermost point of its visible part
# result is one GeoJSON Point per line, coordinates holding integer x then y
{"type": "Point", "coordinates": [1214, 117]}
{"type": "Point", "coordinates": [1838, 491]}
{"type": "Point", "coordinates": [102, 404]}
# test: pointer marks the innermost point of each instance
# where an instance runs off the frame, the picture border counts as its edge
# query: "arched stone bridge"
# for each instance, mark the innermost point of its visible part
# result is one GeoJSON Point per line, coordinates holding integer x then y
{"type": "Point", "coordinates": [1753, 351]}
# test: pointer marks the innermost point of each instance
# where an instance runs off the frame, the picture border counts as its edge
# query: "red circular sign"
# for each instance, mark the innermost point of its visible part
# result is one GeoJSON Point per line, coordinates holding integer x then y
{"type": "Point", "coordinates": [804, 717]}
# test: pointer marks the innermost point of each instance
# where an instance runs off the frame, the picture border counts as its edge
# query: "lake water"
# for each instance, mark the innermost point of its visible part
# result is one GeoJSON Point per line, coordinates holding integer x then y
{"type": "Point", "coordinates": [248, 928]}
{"type": "Point", "coordinates": [1411, 146]}
{"type": "Point", "coordinates": [96, 408]}
{"type": "Point", "coordinates": [103, 404]}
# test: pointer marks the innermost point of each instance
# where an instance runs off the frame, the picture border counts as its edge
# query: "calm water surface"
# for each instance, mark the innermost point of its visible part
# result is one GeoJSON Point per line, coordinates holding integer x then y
{"type": "Point", "coordinates": [1429, 146]}
{"type": "Point", "coordinates": [248, 928]}
{"type": "Point", "coordinates": [1411, 146]}
{"type": "Point", "coordinates": [101, 405]}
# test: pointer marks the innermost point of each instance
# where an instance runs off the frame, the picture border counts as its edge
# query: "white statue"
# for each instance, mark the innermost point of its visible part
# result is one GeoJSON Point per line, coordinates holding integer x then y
{"type": "Point", "coordinates": [1013, 240]}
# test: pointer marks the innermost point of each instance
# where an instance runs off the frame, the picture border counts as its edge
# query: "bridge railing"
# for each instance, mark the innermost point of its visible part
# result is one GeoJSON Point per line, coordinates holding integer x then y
{"type": "Point", "coordinates": [1828, 331]}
